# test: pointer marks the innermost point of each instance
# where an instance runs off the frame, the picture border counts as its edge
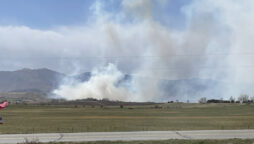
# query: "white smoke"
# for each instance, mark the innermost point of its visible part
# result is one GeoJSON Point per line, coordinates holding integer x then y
{"type": "Point", "coordinates": [202, 50]}
{"type": "Point", "coordinates": [103, 84]}
{"type": "Point", "coordinates": [232, 42]}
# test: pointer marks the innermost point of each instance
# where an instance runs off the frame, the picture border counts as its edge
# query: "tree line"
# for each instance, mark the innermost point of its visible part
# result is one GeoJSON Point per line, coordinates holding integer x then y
{"type": "Point", "coordinates": [243, 98]}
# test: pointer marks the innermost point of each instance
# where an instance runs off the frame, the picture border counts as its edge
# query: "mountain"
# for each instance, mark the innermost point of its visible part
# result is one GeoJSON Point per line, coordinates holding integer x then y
{"type": "Point", "coordinates": [184, 89]}
{"type": "Point", "coordinates": [192, 89]}
{"type": "Point", "coordinates": [32, 82]}
{"type": "Point", "coordinates": [83, 77]}
{"type": "Point", "coordinates": [29, 80]}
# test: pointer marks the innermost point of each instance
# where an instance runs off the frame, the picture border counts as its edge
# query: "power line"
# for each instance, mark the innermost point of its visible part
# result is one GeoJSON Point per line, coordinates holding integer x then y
{"type": "Point", "coordinates": [139, 56]}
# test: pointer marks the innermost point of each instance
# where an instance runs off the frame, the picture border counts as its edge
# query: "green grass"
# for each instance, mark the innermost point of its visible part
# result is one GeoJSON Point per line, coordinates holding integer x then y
{"type": "Point", "coordinates": [230, 141]}
{"type": "Point", "coordinates": [38, 119]}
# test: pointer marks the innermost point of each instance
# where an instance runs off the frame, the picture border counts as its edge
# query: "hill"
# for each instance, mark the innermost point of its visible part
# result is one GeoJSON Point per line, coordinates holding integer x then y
{"type": "Point", "coordinates": [33, 82]}
{"type": "Point", "coordinates": [29, 80]}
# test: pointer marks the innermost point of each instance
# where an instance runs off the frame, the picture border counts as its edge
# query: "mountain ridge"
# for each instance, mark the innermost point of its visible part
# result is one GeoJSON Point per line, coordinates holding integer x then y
{"type": "Point", "coordinates": [45, 80]}
{"type": "Point", "coordinates": [37, 79]}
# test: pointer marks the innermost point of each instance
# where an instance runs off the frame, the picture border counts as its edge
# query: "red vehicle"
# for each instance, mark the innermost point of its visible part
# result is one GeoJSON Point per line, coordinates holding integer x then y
{"type": "Point", "coordinates": [2, 106]}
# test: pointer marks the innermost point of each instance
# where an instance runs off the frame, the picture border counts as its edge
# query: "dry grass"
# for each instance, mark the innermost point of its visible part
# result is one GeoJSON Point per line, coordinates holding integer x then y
{"type": "Point", "coordinates": [37, 119]}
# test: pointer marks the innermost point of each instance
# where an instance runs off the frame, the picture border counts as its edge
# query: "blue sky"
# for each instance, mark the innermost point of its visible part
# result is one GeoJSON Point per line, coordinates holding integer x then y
{"type": "Point", "coordinates": [43, 14]}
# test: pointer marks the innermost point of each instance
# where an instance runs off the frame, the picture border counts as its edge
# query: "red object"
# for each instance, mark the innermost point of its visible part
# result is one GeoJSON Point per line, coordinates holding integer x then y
{"type": "Point", "coordinates": [3, 105]}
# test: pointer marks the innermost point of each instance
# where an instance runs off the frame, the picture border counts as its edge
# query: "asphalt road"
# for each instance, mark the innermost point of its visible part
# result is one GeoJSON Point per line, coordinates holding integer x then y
{"type": "Point", "coordinates": [127, 136]}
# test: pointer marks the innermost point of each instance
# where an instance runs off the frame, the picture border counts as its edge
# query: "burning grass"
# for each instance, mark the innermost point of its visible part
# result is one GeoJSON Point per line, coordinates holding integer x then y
{"type": "Point", "coordinates": [70, 118]}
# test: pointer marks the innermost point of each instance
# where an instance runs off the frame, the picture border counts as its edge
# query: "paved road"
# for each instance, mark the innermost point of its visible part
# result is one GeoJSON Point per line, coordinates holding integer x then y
{"type": "Point", "coordinates": [127, 136]}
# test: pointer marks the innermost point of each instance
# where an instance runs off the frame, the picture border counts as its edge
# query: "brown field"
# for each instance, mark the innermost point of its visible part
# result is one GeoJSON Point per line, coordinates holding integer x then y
{"type": "Point", "coordinates": [77, 118]}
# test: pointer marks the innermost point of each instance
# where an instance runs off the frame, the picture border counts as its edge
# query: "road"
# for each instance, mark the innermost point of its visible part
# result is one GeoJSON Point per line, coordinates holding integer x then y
{"type": "Point", "coordinates": [126, 136]}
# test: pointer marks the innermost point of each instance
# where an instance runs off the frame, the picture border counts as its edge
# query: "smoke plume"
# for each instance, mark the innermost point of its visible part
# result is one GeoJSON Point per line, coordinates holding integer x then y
{"type": "Point", "coordinates": [101, 85]}
{"type": "Point", "coordinates": [207, 49]}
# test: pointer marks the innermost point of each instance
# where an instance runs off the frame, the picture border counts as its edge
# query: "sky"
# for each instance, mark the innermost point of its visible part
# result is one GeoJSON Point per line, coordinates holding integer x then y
{"type": "Point", "coordinates": [43, 14]}
{"type": "Point", "coordinates": [169, 39]}
{"type": "Point", "coordinates": [55, 15]}
{"type": "Point", "coordinates": [46, 14]}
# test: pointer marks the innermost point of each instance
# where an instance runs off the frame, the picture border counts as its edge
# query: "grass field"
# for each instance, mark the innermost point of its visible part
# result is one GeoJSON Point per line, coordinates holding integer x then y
{"type": "Point", "coordinates": [38, 119]}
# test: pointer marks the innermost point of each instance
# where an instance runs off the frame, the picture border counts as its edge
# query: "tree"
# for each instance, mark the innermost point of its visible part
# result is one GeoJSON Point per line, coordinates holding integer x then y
{"type": "Point", "coordinates": [232, 99]}
{"type": "Point", "coordinates": [252, 99]}
{"type": "Point", "coordinates": [202, 100]}
{"type": "Point", "coordinates": [243, 98]}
